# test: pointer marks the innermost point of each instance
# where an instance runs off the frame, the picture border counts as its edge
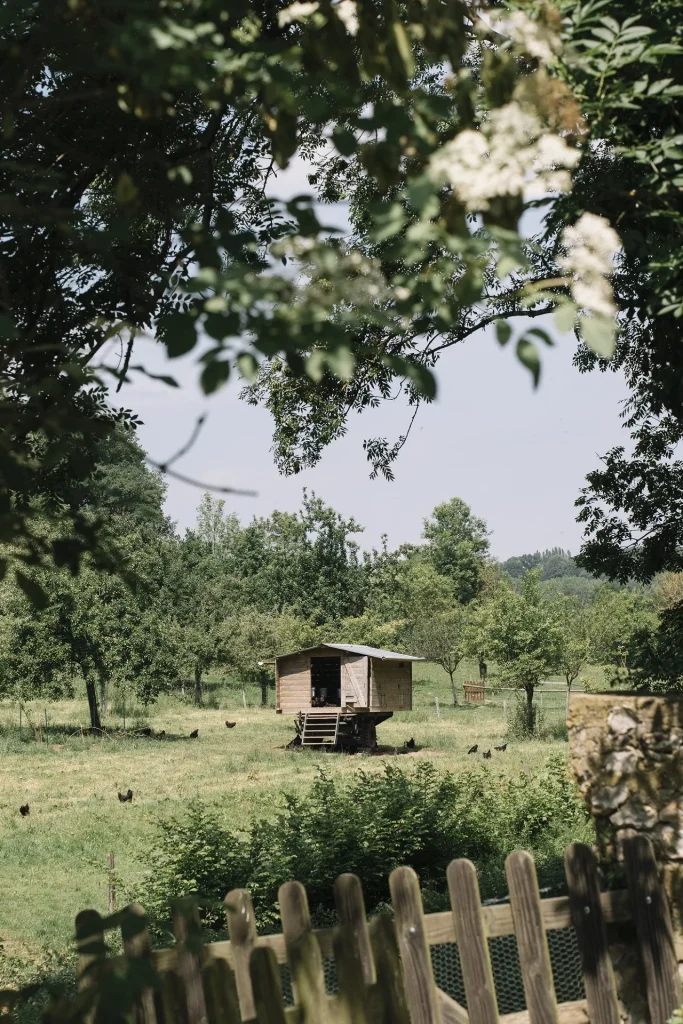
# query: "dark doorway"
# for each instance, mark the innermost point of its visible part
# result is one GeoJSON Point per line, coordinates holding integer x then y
{"type": "Point", "coordinates": [326, 682]}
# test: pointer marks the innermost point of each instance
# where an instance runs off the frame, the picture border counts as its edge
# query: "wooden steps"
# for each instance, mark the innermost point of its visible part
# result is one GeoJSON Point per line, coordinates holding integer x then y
{"type": "Point", "coordinates": [321, 729]}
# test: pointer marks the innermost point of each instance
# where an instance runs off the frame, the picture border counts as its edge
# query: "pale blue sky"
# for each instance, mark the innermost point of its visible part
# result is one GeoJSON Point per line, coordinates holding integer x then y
{"type": "Point", "coordinates": [517, 456]}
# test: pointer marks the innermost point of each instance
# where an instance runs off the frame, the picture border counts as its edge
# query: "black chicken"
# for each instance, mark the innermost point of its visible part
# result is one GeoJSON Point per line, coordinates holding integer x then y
{"type": "Point", "coordinates": [126, 798]}
{"type": "Point", "coordinates": [487, 753]}
{"type": "Point", "coordinates": [230, 725]}
{"type": "Point", "coordinates": [24, 810]}
{"type": "Point", "coordinates": [194, 734]}
{"type": "Point", "coordinates": [473, 749]}
{"type": "Point", "coordinates": [502, 748]}
{"type": "Point", "coordinates": [410, 744]}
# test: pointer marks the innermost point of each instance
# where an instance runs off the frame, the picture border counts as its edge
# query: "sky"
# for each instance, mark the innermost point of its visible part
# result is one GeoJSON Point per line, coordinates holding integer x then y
{"type": "Point", "coordinates": [518, 456]}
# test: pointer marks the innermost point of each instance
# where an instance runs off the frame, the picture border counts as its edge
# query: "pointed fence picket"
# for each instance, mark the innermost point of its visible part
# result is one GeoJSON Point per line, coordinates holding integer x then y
{"type": "Point", "coordinates": [384, 968]}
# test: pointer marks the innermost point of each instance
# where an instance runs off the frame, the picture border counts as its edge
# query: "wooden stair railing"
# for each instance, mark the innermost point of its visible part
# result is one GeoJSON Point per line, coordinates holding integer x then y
{"type": "Point", "coordinates": [320, 729]}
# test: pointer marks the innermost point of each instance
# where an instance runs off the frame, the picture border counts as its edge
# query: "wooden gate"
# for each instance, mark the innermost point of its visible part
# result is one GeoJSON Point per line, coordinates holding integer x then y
{"type": "Point", "coordinates": [474, 693]}
{"type": "Point", "coordinates": [384, 968]}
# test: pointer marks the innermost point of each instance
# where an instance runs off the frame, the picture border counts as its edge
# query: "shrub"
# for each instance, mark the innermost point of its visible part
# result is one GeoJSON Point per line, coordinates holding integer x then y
{"type": "Point", "coordinates": [368, 825]}
{"type": "Point", "coordinates": [524, 722]}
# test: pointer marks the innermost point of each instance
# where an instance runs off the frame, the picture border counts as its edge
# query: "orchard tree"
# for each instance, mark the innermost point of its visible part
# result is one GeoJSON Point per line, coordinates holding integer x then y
{"type": "Point", "coordinates": [617, 616]}
{"type": "Point", "coordinates": [457, 546]}
{"type": "Point", "coordinates": [442, 639]}
{"type": "Point", "coordinates": [521, 632]}
{"type": "Point", "coordinates": [575, 625]}
{"type": "Point", "coordinates": [252, 639]}
{"type": "Point", "coordinates": [110, 625]}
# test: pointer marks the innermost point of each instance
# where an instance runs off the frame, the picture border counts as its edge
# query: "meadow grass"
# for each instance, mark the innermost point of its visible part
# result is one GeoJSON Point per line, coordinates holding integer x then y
{"type": "Point", "coordinates": [54, 860]}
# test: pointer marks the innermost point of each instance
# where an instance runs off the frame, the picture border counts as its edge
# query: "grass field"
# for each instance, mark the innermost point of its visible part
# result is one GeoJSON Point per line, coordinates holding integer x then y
{"type": "Point", "coordinates": [54, 860]}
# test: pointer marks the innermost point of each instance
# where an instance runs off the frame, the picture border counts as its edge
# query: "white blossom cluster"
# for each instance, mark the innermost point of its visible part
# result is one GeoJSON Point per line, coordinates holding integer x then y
{"type": "Point", "coordinates": [591, 244]}
{"type": "Point", "coordinates": [511, 156]}
{"type": "Point", "coordinates": [346, 11]}
{"type": "Point", "coordinates": [296, 12]}
{"type": "Point", "coordinates": [535, 38]}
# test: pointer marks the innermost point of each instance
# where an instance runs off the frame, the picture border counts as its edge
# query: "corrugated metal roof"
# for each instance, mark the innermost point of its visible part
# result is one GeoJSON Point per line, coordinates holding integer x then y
{"type": "Point", "coordinates": [370, 652]}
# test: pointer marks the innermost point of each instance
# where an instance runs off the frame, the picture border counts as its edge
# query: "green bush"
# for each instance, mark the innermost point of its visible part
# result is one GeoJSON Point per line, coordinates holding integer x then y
{"type": "Point", "coordinates": [524, 722]}
{"type": "Point", "coordinates": [368, 825]}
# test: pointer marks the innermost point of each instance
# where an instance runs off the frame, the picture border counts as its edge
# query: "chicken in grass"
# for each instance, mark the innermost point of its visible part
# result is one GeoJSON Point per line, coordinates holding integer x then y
{"type": "Point", "coordinates": [24, 810]}
{"type": "Point", "coordinates": [194, 734]}
{"type": "Point", "coordinates": [487, 753]}
{"type": "Point", "coordinates": [230, 725]}
{"type": "Point", "coordinates": [503, 747]}
{"type": "Point", "coordinates": [473, 749]}
{"type": "Point", "coordinates": [126, 798]}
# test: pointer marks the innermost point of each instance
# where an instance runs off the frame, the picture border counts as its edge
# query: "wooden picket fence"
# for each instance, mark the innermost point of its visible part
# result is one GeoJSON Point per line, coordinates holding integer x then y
{"type": "Point", "coordinates": [384, 968]}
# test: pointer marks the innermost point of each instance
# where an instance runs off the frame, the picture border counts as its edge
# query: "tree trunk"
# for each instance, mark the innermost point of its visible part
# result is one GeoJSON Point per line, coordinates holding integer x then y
{"type": "Point", "coordinates": [265, 681]}
{"type": "Point", "coordinates": [453, 689]}
{"type": "Point", "coordinates": [530, 708]}
{"type": "Point", "coordinates": [95, 722]}
{"type": "Point", "coordinates": [104, 698]}
{"type": "Point", "coordinates": [197, 685]}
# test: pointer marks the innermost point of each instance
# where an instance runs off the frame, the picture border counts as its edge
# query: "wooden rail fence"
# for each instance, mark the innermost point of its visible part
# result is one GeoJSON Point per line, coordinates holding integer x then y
{"type": "Point", "coordinates": [384, 968]}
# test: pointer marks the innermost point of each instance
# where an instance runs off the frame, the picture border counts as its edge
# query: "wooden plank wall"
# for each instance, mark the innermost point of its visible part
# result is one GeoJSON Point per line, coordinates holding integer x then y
{"type": "Point", "coordinates": [294, 677]}
{"type": "Point", "coordinates": [391, 686]}
{"type": "Point", "coordinates": [355, 680]}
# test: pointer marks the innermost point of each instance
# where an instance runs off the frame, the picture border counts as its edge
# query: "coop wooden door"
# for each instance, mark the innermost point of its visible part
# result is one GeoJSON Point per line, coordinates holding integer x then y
{"type": "Point", "coordinates": [355, 680]}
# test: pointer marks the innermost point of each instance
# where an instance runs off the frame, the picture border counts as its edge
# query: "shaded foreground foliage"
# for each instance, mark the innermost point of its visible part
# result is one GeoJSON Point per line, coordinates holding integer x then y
{"type": "Point", "coordinates": [370, 825]}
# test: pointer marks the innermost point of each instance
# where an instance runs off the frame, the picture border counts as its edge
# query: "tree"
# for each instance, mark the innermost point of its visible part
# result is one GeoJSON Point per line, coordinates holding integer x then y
{"type": "Point", "coordinates": [555, 563]}
{"type": "Point", "coordinates": [95, 623]}
{"type": "Point", "coordinates": [442, 639]}
{"type": "Point", "coordinates": [522, 634]}
{"type": "Point", "coordinates": [574, 623]}
{"type": "Point", "coordinates": [251, 639]}
{"type": "Point", "coordinates": [306, 562]}
{"type": "Point", "coordinates": [156, 216]}
{"type": "Point", "coordinates": [617, 616]}
{"type": "Point", "coordinates": [457, 546]}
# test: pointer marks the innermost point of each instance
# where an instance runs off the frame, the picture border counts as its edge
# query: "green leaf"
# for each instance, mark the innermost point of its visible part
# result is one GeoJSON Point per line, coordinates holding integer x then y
{"type": "Point", "coordinates": [315, 365]}
{"type": "Point", "coordinates": [248, 366]}
{"type": "Point", "coordinates": [388, 221]}
{"type": "Point", "coordinates": [538, 332]}
{"type": "Point", "coordinates": [344, 141]}
{"type": "Point", "coordinates": [215, 375]}
{"type": "Point", "coordinates": [126, 191]}
{"type": "Point", "coordinates": [503, 331]}
{"type": "Point", "coordinates": [599, 333]}
{"type": "Point", "coordinates": [421, 194]}
{"type": "Point", "coordinates": [218, 326]}
{"type": "Point", "coordinates": [342, 362]}
{"type": "Point", "coordinates": [527, 353]}
{"type": "Point", "coordinates": [34, 592]}
{"type": "Point", "coordinates": [564, 316]}
{"type": "Point", "coordinates": [8, 328]}
{"type": "Point", "coordinates": [423, 379]}
{"type": "Point", "coordinates": [178, 333]}
{"type": "Point", "coordinates": [403, 48]}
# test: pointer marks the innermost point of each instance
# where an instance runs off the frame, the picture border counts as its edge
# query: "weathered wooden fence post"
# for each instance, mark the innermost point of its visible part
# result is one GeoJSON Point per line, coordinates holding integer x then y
{"type": "Point", "coordinates": [239, 911]}
{"type": "Point", "coordinates": [421, 994]}
{"type": "Point", "coordinates": [303, 954]}
{"type": "Point", "coordinates": [532, 941]}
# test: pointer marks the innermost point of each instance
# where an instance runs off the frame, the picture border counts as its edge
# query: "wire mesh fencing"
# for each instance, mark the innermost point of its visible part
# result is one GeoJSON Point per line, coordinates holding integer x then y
{"type": "Point", "coordinates": [507, 974]}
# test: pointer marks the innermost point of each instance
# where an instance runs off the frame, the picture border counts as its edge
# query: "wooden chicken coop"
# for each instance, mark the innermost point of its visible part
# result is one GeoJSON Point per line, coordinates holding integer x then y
{"type": "Point", "coordinates": [342, 692]}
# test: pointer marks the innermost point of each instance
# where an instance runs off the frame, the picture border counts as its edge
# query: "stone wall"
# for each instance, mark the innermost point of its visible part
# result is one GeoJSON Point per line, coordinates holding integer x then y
{"type": "Point", "coordinates": [627, 755]}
